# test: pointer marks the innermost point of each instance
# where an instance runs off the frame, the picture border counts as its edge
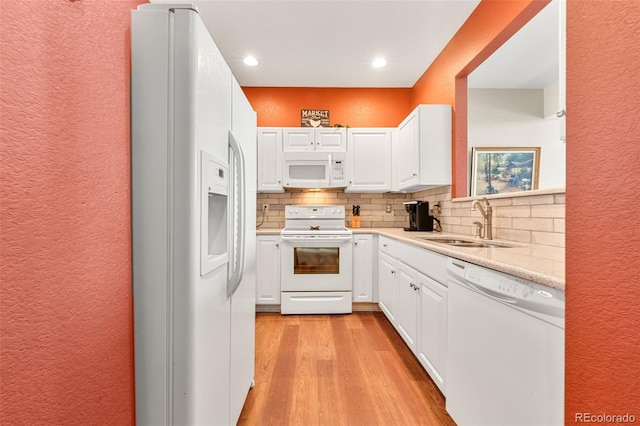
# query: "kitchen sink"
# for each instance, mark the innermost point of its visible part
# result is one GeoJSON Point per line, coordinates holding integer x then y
{"type": "Point", "coordinates": [461, 242]}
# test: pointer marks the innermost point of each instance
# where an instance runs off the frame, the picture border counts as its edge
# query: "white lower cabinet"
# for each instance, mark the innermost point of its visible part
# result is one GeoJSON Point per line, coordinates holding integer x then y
{"type": "Point", "coordinates": [363, 273]}
{"type": "Point", "coordinates": [387, 285]}
{"type": "Point", "coordinates": [412, 296]}
{"type": "Point", "coordinates": [408, 305]}
{"type": "Point", "coordinates": [432, 329]}
{"type": "Point", "coordinates": [268, 270]}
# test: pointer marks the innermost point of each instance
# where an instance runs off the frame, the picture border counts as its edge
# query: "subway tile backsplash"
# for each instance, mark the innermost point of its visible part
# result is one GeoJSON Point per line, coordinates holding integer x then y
{"type": "Point", "coordinates": [536, 219]}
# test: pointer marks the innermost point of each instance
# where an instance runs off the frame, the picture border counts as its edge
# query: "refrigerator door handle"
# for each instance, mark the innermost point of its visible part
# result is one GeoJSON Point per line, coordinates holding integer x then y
{"type": "Point", "coordinates": [238, 215]}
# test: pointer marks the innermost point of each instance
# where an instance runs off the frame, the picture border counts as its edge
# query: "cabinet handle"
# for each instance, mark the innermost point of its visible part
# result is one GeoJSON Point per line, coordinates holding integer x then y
{"type": "Point", "coordinates": [277, 245]}
{"type": "Point", "coordinates": [393, 272]}
{"type": "Point", "coordinates": [355, 243]}
{"type": "Point", "coordinates": [415, 174]}
{"type": "Point", "coordinates": [384, 245]}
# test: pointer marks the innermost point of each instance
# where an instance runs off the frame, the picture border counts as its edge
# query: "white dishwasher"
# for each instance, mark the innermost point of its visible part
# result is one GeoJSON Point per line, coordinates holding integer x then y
{"type": "Point", "coordinates": [505, 343]}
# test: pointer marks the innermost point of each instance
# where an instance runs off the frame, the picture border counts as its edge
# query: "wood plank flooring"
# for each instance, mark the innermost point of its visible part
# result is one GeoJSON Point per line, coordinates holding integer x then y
{"type": "Point", "coordinates": [338, 370]}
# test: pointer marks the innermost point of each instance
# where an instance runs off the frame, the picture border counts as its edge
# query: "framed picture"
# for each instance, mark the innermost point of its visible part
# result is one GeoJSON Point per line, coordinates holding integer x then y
{"type": "Point", "coordinates": [504, 169]}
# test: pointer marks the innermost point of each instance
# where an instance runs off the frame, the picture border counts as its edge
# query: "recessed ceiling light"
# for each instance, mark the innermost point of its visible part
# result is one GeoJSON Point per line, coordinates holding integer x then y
{"type": "Point", "coordinates": [250, 61]}
{"type": "Point", "coordinates": [379, 62]}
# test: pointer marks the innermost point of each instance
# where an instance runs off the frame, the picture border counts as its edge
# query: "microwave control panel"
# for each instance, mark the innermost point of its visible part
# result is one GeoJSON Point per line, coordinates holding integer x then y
{"type": "Point", "coordinates": [338, 170]}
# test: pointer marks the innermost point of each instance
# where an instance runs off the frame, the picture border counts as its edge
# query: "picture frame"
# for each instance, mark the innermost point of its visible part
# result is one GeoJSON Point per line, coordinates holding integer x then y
{"type": "Point", "coordinates": [314, 118]}
{"type": "Point", "coordinates": [500, 170]}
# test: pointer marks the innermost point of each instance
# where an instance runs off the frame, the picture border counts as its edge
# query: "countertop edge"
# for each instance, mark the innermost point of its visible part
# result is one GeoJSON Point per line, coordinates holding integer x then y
{"type": "Point", "coordinates": [475, 256]}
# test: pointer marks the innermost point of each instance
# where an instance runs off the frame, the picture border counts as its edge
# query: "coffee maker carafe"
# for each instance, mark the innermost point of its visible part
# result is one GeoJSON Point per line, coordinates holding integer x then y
{"type": "Point", "coordinates": [419, 219]}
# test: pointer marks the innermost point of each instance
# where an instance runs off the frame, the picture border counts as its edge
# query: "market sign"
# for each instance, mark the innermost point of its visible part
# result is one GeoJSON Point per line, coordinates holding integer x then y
{"type": "Point", "coordinates": [314, 118]}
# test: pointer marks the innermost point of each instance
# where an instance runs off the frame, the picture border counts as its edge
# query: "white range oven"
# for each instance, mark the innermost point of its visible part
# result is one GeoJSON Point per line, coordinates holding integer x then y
{"type": "Point", "coordinates": [316, 261]}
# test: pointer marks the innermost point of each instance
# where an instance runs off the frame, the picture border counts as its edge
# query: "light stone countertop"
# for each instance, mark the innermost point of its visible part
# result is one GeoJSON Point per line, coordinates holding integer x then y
{"type": "Point", "coordinates": [540, 264]}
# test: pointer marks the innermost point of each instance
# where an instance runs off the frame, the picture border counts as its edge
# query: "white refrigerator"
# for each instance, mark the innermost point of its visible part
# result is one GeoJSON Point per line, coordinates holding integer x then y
{"type": "Point", "coordinates": [193, 173]}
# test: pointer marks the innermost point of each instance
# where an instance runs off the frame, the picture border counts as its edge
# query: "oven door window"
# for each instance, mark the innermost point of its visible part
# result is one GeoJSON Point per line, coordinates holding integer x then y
{"type": "Point", "coordinates": [316, 260]}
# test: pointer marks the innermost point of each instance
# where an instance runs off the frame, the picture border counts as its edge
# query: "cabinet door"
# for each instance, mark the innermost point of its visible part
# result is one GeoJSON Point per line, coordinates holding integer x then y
{"type": "Point", "coordinates": [331, 139]}
{"type": "Point", "coordinates": [432, 345]}
{"type": "Point", "coordinates": [268, 270]}
{"type": "Point", "coordinates": [408, 151]}
{"type": "Point", "coordinates": [362, 268]}
{"type": "Point", "coordinates": [298, 139]}
{"type": "Point", "coordinates": [424, 148]}
{"type": "Point", "coordinates": [369, 160]}
{"type": "Point", "coordinates": [270, 160]}
{"type": "Point", "coordinates": [407, 308]}
{"type": "Point", "coordinates": [387, 287]}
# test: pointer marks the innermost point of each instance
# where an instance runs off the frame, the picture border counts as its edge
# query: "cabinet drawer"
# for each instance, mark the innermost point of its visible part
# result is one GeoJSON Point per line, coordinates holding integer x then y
{"type": "Point", "coordinates": [388, 246]}
{"type": "Point", "coordinates": [431, 264]}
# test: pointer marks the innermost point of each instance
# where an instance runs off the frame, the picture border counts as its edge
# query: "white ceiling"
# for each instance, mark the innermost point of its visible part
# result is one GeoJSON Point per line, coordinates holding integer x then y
{"type": "Point", "coordinates": [331, 43]}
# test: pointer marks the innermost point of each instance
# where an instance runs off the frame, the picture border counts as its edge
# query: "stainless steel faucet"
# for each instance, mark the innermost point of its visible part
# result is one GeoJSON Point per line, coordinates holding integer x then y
{"type": "Point", "coordinates": [486, 213]}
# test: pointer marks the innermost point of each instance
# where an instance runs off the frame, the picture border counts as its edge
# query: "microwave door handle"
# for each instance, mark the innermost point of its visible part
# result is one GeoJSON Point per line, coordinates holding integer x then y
{"type": "Point", "coordinates": [330, 171]}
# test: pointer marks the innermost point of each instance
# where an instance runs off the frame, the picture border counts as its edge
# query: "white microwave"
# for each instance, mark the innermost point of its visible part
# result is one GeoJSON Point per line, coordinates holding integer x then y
{"type": "Point", "coordinates": [314, 169]}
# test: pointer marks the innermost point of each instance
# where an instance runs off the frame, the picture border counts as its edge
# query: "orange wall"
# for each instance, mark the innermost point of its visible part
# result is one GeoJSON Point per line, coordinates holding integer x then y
{"type": "Point", "coordinates": [603, 220]}
{"type": "Point", "coordinates": [67, 336]}
{"type": "Point", "coordinates": [280, 106]}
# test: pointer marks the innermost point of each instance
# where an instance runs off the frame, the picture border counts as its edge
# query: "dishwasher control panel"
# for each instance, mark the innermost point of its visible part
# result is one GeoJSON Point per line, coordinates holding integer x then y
{"type": "Point", "coordinates": [493, 280]}
{"type": "Point", "coordinates": [507, 288]}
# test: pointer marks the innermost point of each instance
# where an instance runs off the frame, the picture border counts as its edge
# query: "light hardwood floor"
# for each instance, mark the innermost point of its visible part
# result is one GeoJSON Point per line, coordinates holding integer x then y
{"type": "Point", "coordinates": [338, 370]}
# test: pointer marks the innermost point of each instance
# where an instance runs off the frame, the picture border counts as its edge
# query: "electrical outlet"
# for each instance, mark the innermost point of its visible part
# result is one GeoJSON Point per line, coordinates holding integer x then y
{"type": "Point", "coordinates": [388, 208]}
{"type": "Point", "coordinates": [265, 208]}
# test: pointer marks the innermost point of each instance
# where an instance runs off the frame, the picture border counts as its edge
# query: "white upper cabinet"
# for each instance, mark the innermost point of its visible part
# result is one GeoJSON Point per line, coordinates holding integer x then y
{"type": "Point", "coordinates": [270, 159]}
{"type": "Point", "coordinates": [424, 148]}
{"type": "Point", "coordinates": [369, 159]}
{"type": "Point", "coordinates": [326, 139]}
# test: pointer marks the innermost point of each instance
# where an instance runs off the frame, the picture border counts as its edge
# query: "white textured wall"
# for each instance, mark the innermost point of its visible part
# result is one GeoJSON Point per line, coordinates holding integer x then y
{"type": "Point", "coordinates": [508, 117]}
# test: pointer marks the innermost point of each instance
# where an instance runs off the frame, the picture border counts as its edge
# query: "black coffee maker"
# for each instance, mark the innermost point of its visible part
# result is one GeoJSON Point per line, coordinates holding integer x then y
{"type": "Point", "coordinates": [419, 219]}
